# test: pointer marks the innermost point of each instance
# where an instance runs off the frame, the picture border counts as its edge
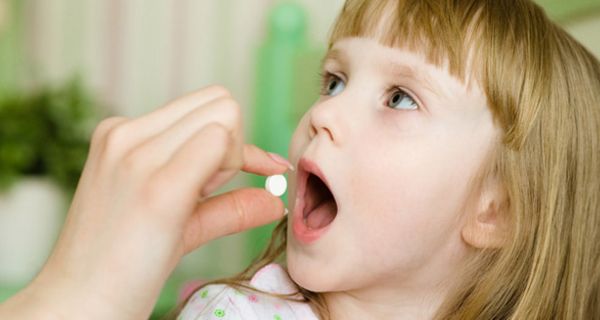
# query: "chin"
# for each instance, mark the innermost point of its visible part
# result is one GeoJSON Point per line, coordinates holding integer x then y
{"type": "Point", "coordinates": [309, 275]}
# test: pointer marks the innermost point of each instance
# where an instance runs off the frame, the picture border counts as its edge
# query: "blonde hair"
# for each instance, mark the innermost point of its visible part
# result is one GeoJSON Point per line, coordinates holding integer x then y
{"type": "Point", "coordinates": [543, 89]}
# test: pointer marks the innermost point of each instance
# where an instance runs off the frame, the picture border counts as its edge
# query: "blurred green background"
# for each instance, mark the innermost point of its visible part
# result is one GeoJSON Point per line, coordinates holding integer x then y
{"type": "Point", "coordinates": [66, 64]}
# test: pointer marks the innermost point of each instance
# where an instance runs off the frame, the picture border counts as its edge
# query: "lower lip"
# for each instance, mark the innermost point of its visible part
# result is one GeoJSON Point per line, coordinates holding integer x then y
{"type": "Point", "coordinates": [301, 231]}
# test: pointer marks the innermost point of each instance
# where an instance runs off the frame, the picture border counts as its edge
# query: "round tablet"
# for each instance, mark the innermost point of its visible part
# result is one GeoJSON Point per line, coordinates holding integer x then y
{"type": "Point", "coordinates": [276, 185]}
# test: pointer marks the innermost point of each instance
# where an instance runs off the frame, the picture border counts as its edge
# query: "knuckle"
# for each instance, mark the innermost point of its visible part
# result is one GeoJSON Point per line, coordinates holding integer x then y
{"type": "Point", "coordinates": [104, 127]}
{"type": "Point", "coordinates": [217, 130]}
{"type": "Point", "coordinates": [218, 135]}
{"type": "Point", "coordinates": [116, 137]}
{"type": "Point", "coordinates": [133, 161]}
{"type": "Point", "coordinates": [218, 90]}
{"type": "Point", "coordinates": [233, 111]}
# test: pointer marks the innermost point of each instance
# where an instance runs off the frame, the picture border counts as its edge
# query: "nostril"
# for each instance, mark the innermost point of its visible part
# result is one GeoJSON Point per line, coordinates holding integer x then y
{"type": "Point", "coordinates": [322, 121]}
{"type": "Point", "coordinates": [312, 131]}
{"type": "Point", "coordinates": [329, 133]}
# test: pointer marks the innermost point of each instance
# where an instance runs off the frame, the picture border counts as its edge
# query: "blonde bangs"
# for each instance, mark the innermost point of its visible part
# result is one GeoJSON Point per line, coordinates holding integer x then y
{"type": "Point", "coordinates": [492, 44]}
{"type": "Point", "coordinates": [430, 28]}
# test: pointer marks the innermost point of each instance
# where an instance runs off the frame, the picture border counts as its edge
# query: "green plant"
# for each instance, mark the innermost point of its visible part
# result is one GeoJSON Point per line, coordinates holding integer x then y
{"type": "Point", "coordinates": [46, 133]}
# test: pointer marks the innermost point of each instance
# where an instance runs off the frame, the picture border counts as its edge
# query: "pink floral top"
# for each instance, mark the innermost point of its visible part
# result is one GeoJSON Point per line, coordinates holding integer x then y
{"type": "Point", "coordinates": [223, 302]}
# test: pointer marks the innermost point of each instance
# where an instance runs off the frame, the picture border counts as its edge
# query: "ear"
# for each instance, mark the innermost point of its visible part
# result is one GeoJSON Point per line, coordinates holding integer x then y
{"type": "Point", "coordinates": [486, 226]}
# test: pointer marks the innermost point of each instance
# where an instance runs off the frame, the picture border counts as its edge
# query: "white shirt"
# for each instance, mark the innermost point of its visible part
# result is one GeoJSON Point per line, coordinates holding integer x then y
{"type": "Point", "coordinates": [223, 302]}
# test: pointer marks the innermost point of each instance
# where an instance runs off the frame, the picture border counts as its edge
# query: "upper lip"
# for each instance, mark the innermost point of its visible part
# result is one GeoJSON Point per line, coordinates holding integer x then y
{"type": "Point", "coordinates": [305, 168]}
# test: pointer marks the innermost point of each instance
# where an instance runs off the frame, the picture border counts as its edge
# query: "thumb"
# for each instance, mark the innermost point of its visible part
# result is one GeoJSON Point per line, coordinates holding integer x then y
{"type": "Point", "coordinates": [229, 213]}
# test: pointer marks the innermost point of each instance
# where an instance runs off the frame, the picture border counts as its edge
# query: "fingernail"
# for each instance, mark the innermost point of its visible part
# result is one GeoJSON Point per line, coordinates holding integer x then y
{"type": "Point", "coordinates": [281, 160]}
{"type": "Point", "coordinates": [285, 212]}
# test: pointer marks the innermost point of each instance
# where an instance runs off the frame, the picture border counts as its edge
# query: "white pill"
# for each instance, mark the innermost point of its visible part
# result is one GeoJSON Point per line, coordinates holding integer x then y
{"type": "Point", "coordinates": [276, 185]}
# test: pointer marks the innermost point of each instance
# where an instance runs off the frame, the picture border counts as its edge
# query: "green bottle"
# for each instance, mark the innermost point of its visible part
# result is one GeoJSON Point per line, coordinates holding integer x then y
{"type": "Point", "coordinates": [286, 86]}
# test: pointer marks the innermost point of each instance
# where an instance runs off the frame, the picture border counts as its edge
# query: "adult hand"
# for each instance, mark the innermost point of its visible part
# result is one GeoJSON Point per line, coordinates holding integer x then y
{"type": "Point", "coordinates": [143, 202]}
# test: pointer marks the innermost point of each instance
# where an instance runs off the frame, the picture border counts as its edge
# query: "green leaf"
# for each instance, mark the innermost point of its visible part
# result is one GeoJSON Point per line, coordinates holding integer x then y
{"type": "Point", "coordinates": [47, 132]}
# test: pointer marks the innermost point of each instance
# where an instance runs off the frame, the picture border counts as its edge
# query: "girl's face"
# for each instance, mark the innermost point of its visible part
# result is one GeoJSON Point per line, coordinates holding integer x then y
{"type": "Point", "coordinates": [397, 140]}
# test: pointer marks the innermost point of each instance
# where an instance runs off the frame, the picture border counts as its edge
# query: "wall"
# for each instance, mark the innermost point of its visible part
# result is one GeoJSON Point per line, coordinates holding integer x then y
{"type": "Point", "coordinates": [138, 54]}
{"type": "Point", "coordinates": [587, 30]}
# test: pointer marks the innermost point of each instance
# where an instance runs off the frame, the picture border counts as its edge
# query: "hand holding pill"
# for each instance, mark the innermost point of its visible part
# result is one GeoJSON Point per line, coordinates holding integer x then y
{"type": "Point", "coordinates": [147, 190]}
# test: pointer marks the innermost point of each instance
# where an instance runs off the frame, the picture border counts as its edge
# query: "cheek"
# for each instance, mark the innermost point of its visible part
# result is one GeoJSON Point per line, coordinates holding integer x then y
{"type": "Point", "coordinates": [415, 189]}
{"type": "Point", "coordinates": [404, 173]}
{"type": "Point", "coordinates": [425, 171]}
{"type": "Point", "coordinates": [300, 140]}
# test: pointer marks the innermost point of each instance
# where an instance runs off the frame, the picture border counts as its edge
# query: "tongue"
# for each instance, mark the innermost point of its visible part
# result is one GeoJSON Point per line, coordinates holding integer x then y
{"type": "Point", "coordinates": [322, 215]}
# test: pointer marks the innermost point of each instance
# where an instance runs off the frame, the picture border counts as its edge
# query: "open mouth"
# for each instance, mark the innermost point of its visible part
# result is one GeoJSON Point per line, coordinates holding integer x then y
{"type": "Point", "coordinates": [320, 207]}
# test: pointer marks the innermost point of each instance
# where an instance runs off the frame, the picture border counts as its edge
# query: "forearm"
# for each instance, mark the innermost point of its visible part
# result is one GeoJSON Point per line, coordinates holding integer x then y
{"type": "Point", "coordinates": [28, 304]}
{"type": "Point", "coordinates": [53, 300]}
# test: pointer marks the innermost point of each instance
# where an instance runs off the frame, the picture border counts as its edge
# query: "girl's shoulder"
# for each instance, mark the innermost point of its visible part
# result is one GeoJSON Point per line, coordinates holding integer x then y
{"type": "Point", "coordinates": [219, 301]}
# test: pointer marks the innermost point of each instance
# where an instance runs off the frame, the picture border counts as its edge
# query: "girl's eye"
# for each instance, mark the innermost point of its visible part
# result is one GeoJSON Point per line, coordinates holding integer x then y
{"type": "Point", "coordinates": [401, 100]}
{"type": "Point", "coordinates": [332, 85]}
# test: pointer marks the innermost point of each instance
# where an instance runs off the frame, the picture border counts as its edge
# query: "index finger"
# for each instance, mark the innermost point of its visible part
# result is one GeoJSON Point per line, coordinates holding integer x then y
{"type": "Point", "coordinates": [255, 160]}
{"type": "Point", "coordinates": [261, 162]}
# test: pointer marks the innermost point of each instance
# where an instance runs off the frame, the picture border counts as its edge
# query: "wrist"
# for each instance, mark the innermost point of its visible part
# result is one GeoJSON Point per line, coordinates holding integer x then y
{"type": "Point", "coordinates": [28, 304]}
{"type": "Point", "coordinates": [55, 301]}
{"type": "Point", "coordinates": [66, 299]}
{"type": "Point", "coordinates": [66, 295]}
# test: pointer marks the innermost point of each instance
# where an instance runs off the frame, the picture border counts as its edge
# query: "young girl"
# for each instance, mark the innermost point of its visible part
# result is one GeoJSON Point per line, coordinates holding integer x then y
{"type": "Point", "coordinates": [450, 170]}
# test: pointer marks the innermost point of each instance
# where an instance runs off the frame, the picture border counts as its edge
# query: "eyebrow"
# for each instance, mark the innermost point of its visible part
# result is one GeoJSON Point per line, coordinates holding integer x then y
{"type": "Point", "coordinates": [405, 71]}
{"type": "Point", "coordinates": [333, 54]}
{"type": "Point", "coordinates": [398, 70]}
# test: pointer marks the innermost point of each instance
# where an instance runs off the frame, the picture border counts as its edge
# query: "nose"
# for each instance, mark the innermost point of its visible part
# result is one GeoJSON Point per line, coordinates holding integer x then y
{"type": "Point", "coordinates": [324, 121]}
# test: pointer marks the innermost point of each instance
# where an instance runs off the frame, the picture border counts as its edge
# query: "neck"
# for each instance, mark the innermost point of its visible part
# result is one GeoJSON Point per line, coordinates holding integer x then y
{"type": "Point", "coordinates": [385, 303]}
{"type": "Point", "coordinates": [414, 293]}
